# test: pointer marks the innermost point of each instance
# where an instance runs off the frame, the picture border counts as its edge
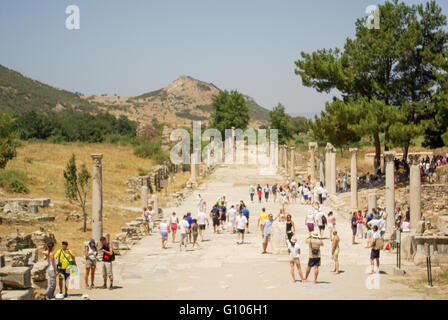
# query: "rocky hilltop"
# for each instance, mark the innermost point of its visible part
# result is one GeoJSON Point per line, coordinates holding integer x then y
{"type": "Point", "coordinates": [184, 100]}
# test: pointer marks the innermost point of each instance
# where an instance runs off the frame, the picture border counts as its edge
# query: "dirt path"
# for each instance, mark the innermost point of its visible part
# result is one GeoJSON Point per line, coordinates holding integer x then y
{"type": "Point", "coordinates": [222, 269]}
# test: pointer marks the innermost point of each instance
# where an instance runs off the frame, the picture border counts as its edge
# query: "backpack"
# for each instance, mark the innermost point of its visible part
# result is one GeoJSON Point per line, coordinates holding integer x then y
{"type": "Point", "coordinates": [324, 219]}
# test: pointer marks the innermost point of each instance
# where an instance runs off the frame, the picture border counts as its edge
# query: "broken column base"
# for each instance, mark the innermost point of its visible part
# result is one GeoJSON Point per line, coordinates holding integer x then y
{"type": "Point", "coordinates": [430, 290]}
{"type": "Point", "coordinates": [399, 272]}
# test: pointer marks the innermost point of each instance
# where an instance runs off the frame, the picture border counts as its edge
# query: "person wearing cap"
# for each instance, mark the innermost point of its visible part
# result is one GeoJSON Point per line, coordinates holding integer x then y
{"type": "Point", "coordinates": [314, 257]}
{"type": "Point", "coordinates": [108, 257]}
{"type": "Point", "coordinates": [294, 258]}
{"type": "Point", "coordinates": [90, 254]}
{"type": "Point", "coordinates": [64, 256]}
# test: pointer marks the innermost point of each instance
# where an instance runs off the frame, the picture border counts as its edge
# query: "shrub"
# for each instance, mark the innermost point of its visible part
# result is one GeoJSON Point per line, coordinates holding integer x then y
{"type": "Point", "coordinates": [14, 181]}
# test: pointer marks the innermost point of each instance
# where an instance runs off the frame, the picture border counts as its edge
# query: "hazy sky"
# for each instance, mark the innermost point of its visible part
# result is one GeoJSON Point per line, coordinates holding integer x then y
{"type": "Point", "coordinates": [135, 46]}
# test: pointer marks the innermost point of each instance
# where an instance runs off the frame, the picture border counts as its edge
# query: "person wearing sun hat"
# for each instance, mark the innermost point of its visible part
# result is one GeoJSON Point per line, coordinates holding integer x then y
{"type": "Point", "coordinates": [314, 257]}
{"type": "Point", "coordinates": [294, 258]}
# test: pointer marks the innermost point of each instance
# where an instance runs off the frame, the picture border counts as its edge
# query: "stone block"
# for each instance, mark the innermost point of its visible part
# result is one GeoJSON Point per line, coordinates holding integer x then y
{"type": "Point", "coordinates": [33, 254]}
{"type": "Point", "coordinates": [16, 277]}
{"type": "Point", "coordinates": [19, 258]}
{"type": "Point", "coordinates": [27, 294]}
{"type": "Point", "coordinates": [39, 271]}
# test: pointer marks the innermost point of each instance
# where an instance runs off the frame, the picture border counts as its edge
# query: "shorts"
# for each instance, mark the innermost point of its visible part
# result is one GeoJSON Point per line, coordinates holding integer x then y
{"type": "Point", "coordinates": [266, 195]}
{"type": "Point", "coordinates": [266, 238]}
{"type": "Point", "coordinates": [173, 226]}
{"type": "Point", "coordinates": [241, 230]}
{"type": "Point", "coordinates": [295, 260]}
{"type": "Point", "coordinates": [90, 263]}
{"type": "Point", "coordinates": [223, 217]}
{"type": "Point", "coordinates": [202, 227]}
{"type": "Point", "coordinates": [289, 235]}
{"type": "Point", "coordinates": [195, 236]}
{"type": "Point", "coordinates": [322, 227]}
{"type": "Point", "coordinates": [63, 272]}
{"type": "Point", "coordinates": [310, 227]}
{"type": "Point", "coordinates": [305, 197]}
{"type": "Point", "coordinates": [164, 234]}
{"type": "Point", "coordinates": [215, 222]}
{"type": "Point", "coordinates": [314, 262]}
{"type": "Point", "coordinates": [374, 254]}
{"type": "Point", "coordinates": [107, 270]}
{"type": "Point", "coordinates": [354, 230]}
{"type": "Point", "coordinates": [182, 237]}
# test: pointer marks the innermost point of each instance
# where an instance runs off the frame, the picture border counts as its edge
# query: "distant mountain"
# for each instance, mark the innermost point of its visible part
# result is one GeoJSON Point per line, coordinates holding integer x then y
{"type": "Point", "coordinates": [19, 94]}
{"type": "Point", "coordinates": [184, 100]}
{"type": "Point", "coordinates": [308, 115]}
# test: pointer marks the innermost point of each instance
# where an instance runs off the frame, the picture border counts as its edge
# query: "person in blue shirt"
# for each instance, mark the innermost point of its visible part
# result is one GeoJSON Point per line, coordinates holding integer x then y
{"type": "Point", "coordinates": [245, 212]}
{"type": "Point", "coordinates": [190, 222]}
{"type": "Point", "coordinates": [223, 211]}
{"type": "Point", "coordinates": [266, 230]}
{"type": "Point", "coordinates": [214, 214]}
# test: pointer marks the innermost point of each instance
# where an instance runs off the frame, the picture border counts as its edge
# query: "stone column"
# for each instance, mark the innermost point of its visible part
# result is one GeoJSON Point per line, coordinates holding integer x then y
{"type": "Point", "coordinates": [97, 197]}
{"type": "Point", "coordinates": [353, 179]}
{"type": "Point", "coordinates": [285, 158]}
{"type": "Point", "coordinates": [333, 170]}
{"type": "Point", "coordinates": [415, 191]}
{"type": "Point", "coordinates": [328, 149]}
{"type": "Point", "coordinates": [322, 168]}
{"type": "Point", "coordinates": [145, 192]}
{"type": "Point", "coordinates": [193, 167]}
{"type": "Point", "coordinates": [390, 191]}
{"type": "Point", "coordinates": [372, 202]}
{"type": "Point", "coordinates": [312, 146]}
{"type": "Point", "coordinates": [292, 167]}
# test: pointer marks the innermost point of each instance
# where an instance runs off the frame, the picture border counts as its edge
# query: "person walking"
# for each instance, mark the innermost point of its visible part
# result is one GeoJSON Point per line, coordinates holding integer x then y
{"type": "Point", "coordinates": [241, 223]}
{"type": "Point", "coordinates": [190, 222]}
{"type": "Point", "coordinates": [259, 191]}
{"type": "Point", "coordinates": [214, 214]}
{"type": "Point", "coordinates": [108, 258]}
{"type": "Point", "coordinates": [266, 230]}
{"type": "Point", "coordinates": [252, 193]}
{"type": "Point", "coordinates": [314, 260]}
{"type": "Point", "coordinates": [145, 217]}
{"type": "Point", "coordinates": [354, 226]}
{"type": "Point", "coordinates": [52, 271]}
{"type": "Point", "coordinates": [267, 189]}
{"type": "Point", "coordinates": [195, 232]}
{"type": "Point", "coordinates": [294, 258]}
{"type": "Point", "coordinates": [263, 216]}
{"type": "Point", "coordinates": [90, 252]}
{"type": "Point", "coordinates": [335, 251]}
{"type": "Point", "coordinates": [232, 219]}
{"type": "Point", "coordinates": [64, 256]}
{"type": "Point", "coordinates": [321, 221]}
{"type": "Point", "coordinates": [377, 245]}
{"type": "Point", "coordinates": [309, 222]}
{"type": "Point", "coordinates": [246, 213]}
{"type": "Point", "coordinates": [290, 227]}
{"type": "Point", "coordinates": [164, 231]}
{"type": "Point", "coordinates": [151, 216]}
{"type": "Point", "coordinates": [174, 224]}
{"type": "Point", "coordinates": [359, 229]}
{"type": "Point", "coordinates": [184, 227]}
{"type": "Point", "coordinates": [202, 220]}
{"type": "Point", "coordinates": [274, 192]}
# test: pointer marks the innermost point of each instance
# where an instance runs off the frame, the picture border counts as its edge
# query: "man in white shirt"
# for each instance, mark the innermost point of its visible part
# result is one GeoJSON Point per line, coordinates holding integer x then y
{"type": "Point", "coordinates": [199, 202]}
{"type": "Point", "coordinates": [232, 218]}
{"type": "Point", "coordinates": [320, 222]}
{"type": "Point", "coordinates": [241, 222]}
{"type": "Point", "coordinates": [202, 219]}
{"type": "Point", "coordinates": [184, 227]}
{"type": "Point", "coordinates": [375, 252]}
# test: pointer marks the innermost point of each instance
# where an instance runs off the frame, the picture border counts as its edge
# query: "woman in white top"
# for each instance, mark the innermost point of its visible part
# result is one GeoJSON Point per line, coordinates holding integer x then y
{"type": "Point", "coordinates": [174, 224]}
{"type": "Point", "coordinates": [90, 254]}
{"type": "Point", "coordinates": [294, 258]}
{"type": "Point", "coordinates": [52, 271]}
{"type": "Point", "coordinates": [164, 230]}
{"type": "Point", "coordinates": [309, 222]}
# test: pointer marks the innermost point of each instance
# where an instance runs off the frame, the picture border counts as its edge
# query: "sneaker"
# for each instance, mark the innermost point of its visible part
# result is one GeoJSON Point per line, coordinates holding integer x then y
{"type": "Point", "coordinates": [103, 286]}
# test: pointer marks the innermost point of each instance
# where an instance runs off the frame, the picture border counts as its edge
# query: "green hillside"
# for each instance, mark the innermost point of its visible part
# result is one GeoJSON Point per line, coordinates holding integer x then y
{"type": "Point", "coordinates": [19, 95]}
